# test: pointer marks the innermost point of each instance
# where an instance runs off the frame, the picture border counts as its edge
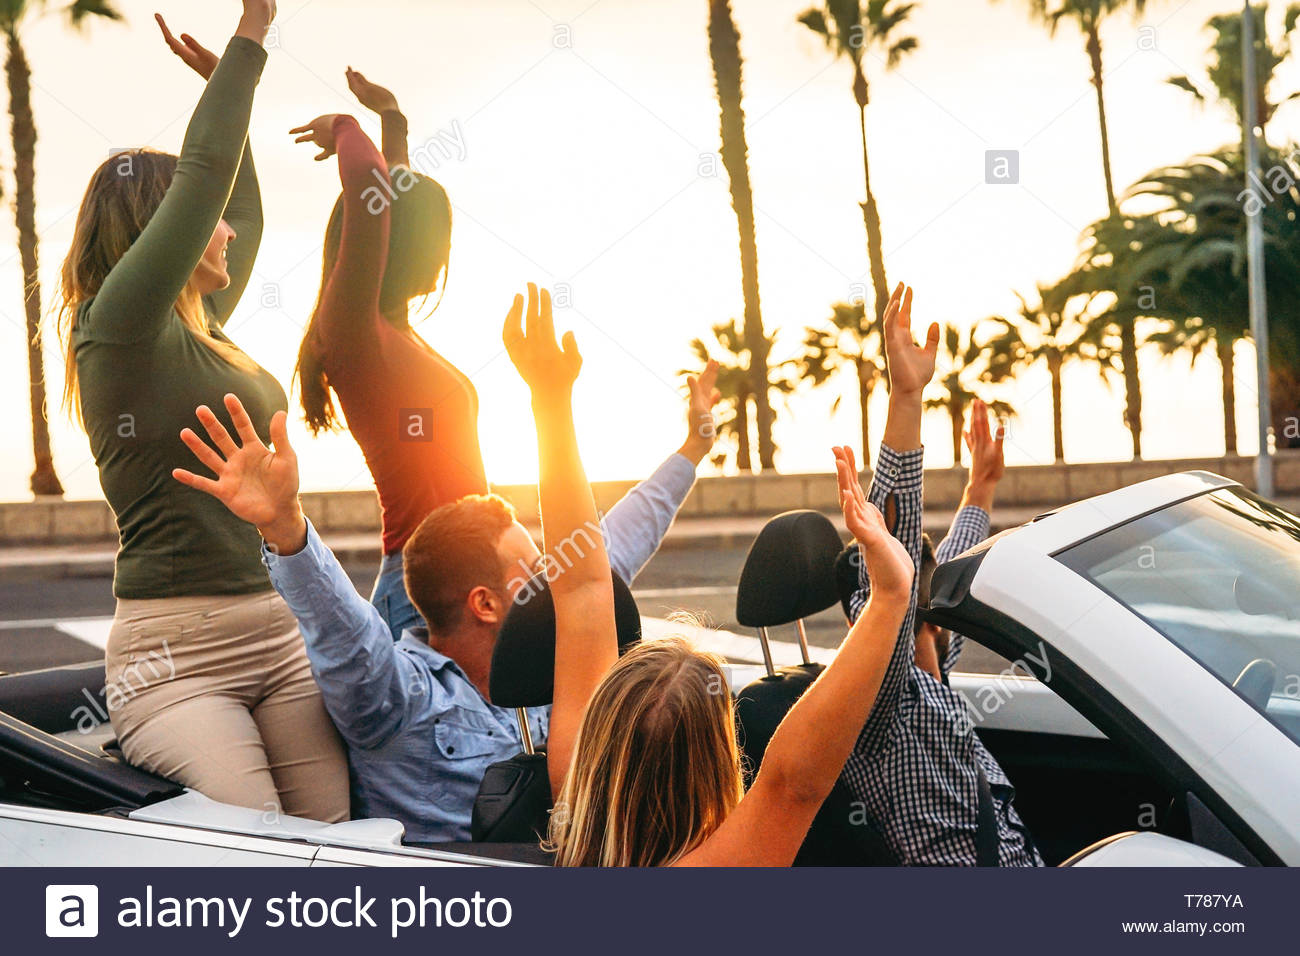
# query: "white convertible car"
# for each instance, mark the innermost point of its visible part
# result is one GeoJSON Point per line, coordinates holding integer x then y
{"type": "Point", "coordinates": [1150, 715]}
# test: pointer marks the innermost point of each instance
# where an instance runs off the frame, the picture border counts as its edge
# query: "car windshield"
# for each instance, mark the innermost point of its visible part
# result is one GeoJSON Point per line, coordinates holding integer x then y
{"type": "Point", "coordinates": [1219, 575]}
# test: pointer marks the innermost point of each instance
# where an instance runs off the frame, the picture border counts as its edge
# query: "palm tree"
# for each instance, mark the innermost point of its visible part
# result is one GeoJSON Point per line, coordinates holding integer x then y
{"type": "Point", "coordinates": [1195, 336]}
{"type": "Point", "coordinates": [1225, 81]}
{"type": "Point", "coordinates": [1105, 266]}
{"type": "Point", "coordinates": [724, 48]}
{"type": "Point", "coordinates": [851, 29]}
{"type": "Point", "coordinates": [729, 348]}
{"type": "Point", "coordinates": [1088, 15]}
{"type": "Point", "coordinates": [1054, 331]}
{"type": "Point", "coordinates": [847, 341]}
{"type": "Point", "coordinates": [1192, 251]}
{"type": "Point", "coordinates": [13, 15]}
{"type": "Point", "coordinates": [962, 360]}
{"type": "Point", "coordinates": [1198, 194]}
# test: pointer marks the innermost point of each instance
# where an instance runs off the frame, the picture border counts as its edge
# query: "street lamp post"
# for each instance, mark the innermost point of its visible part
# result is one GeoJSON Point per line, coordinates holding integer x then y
{"type": "Point", "coordinates": [1255, 251]}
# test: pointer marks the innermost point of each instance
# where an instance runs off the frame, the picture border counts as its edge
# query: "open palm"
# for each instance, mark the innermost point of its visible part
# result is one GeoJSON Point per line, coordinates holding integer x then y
{"type": "Point", "coordinates": [911, 366]}
{"type": "Point", "coordinates": [257, 483]}
{"type": "Point", "coordinates": [888, 564]}
{"type": "Point", "coordinates": [372, 96]}
{"type": "Point", "coordinates": [546, 366]}
{"type": "Point", "coordinates": [193, 53]}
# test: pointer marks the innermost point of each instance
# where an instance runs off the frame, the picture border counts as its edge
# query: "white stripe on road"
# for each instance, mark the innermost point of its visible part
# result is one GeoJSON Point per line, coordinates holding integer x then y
{"type": "Point", "coordinates": [38, 622]}
{"type": "Point", "coordinates": [91, 630]}
{"type": "Point", "coordinates": [686, 592]}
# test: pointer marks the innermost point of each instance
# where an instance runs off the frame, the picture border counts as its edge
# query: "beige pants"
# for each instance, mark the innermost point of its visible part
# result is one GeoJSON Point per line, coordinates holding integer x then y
{"type": "Point", "coordinates": [216, 694]}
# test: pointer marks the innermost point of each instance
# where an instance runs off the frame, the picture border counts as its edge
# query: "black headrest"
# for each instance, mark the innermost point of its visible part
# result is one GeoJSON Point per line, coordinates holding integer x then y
{"type": "Point", "coordinates": [847, 580]}
{"type": "Point", "coordinates": [790, 571]}
{"type": "Point", "coordinates": [523, 661]}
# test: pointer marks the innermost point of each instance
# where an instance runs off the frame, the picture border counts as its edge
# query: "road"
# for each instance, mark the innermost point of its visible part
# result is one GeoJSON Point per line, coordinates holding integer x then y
{"type": "Point", "coordinates": [64, 620]}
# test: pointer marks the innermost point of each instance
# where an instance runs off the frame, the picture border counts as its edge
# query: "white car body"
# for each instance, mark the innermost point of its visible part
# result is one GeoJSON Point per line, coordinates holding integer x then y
{"type": "Point", "coordinates": [1240, 762]}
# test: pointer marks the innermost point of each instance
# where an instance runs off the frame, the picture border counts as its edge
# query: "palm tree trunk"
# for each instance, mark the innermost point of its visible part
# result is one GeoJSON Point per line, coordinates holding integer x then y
{"type": "Point", "coordinates": [724, 46]}
{"type": "Point", "coordinates": [866, 379]}
{"type": "Point", "coordinates": [1128, 329]}
{"type": "Point", "coordinates": [1227, 360]}
{"type": "Point", "coordinates": [1058, 414]}
{"type": "Point", "coordinates": [1094, 56]}
{"type": "Point", "coordinates": [23, 130]}
{"type": "Point", "coordinates": [1132, 384]}
{"type": "Point", "coordinates": [957, 412]}
{"type": "Point", "coordinates": [744, 457]}
{"type": "Point", "coordinates": [871, 217]}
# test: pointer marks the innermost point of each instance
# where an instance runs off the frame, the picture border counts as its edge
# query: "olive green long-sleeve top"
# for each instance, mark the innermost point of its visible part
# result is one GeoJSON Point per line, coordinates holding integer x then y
{"type": "Point", "coordinates": [142, 372]}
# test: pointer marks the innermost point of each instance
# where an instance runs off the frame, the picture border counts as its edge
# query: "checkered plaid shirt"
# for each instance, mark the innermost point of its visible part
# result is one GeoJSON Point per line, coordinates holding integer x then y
{"type": "Point", "coordinates": [913, 767]}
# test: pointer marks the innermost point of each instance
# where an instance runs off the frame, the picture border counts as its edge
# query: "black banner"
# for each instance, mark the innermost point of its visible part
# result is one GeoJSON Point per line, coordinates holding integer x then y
{"type": "Point", "coordinates": [488, 911]}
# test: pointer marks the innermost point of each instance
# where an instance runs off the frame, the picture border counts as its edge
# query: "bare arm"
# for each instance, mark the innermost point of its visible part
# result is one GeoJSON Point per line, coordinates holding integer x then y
{"type": "Point", "coordinates": [586, 642]}
{"type": "Point", "coordinates": [349, 303]}
{"type": "Point", "coordinates": [811, 745]}
{"type": "Point", "coordinates": [970, 525]}
{"type": "Point", "coordinates": [381, 100]}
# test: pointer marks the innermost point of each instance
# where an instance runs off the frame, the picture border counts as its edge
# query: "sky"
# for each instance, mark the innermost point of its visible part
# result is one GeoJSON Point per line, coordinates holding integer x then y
{"type": "Point", "coordinates": [578, 145]}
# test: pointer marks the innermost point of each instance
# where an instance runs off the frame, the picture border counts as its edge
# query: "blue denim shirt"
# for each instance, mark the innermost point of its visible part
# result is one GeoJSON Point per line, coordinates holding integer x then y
{"type": "Point", "coordinates": [419, 734]}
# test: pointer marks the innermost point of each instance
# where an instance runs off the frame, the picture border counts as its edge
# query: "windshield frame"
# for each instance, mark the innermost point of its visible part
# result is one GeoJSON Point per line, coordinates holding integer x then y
{"type": "Point", "coordinates": [1077, 557]}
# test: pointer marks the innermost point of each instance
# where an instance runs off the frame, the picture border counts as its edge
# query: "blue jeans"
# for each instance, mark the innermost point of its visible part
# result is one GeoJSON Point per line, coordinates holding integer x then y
{"type": "Point", "coordinates": [389, 596]}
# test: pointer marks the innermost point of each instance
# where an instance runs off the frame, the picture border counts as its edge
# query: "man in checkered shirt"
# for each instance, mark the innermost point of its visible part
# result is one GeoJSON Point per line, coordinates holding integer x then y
{"type": "Point", "coordinates": [918, 768]}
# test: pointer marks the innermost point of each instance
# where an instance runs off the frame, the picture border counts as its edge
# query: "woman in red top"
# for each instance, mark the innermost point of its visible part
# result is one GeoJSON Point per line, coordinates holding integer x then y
{"type": "Point", "coordinates": [414, 414]}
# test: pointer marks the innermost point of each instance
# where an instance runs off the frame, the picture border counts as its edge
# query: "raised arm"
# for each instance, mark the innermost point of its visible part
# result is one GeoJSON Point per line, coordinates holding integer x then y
{"type": "Point", "coordinates": [636, 525]}
{"type": "Point", "coordinates": [369, 688]}
{"type": "Point", "coordinates": [349, 300]}
{"type": "Point", "coordinates": [586, 642]}
{"type": "Point", "coordinates": [896, 492]}
{"type": "Point", "coordinates": [138, 296]}
{"type": "Point", "coordinates": [244, 215]}
{"type": "Point", "coordinates": [244, 209]}
{"type": "Point", "coordinates": [381, 100]}
{"type": "Point", "coordinates": [810, 746]}
{"type": "Point", "coordinates": [970, 525]}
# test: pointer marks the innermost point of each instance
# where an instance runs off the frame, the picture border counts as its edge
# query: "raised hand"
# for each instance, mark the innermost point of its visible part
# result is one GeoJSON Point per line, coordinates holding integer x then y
{"type": "Point", "coordinates": [320, 132]}
{"type": "Point", "coordinates": [987, 462]}
{"type": "Point", "coordinates": [256, 483]}
{"type": "Point", "coordinates": [699, 414]}
{"type": "Point", "coordinates": [911, 366]}
{"type": "Point", "coordinates": [888, 564]}
{"type": "Point", "coordinates": [371, 95]}
{"type": "Point", "coordinates": [257, 19]}
{"type": "Point", "coordinates": [260, 10]}
{"type": "Point", "coordinates": [547, 368]}
{"type": "Point", "coordinates": [194, 54]}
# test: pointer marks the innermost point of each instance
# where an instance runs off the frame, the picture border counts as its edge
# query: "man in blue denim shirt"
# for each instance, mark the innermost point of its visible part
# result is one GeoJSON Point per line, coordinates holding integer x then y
{"type": "Point", "coordinates": [415, 715]}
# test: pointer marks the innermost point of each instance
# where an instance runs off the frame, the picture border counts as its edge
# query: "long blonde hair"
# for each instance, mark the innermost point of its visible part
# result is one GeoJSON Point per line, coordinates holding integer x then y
{"type": "Point", "coordinates": [123, 195]}
{"type": "Point", "coordinates": [656, 768]}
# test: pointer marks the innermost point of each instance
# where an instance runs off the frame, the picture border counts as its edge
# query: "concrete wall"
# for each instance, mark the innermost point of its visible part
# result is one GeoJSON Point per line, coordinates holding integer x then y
{"type": "Point", "coordinates": [1037, 486]}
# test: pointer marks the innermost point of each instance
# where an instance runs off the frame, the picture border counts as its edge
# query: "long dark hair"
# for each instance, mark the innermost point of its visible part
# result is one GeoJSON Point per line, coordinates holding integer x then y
{"type": "Point", "coordinates": [124, 193]}
{"type": "Point", "coordinates": [419, 254]}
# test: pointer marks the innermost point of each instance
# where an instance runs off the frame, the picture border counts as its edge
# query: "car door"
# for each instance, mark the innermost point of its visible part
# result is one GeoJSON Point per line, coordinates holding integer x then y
{"type": "Point", "coordinates": [1134, 684]}
{"type": "Point", "coordinates": [38, 837]}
